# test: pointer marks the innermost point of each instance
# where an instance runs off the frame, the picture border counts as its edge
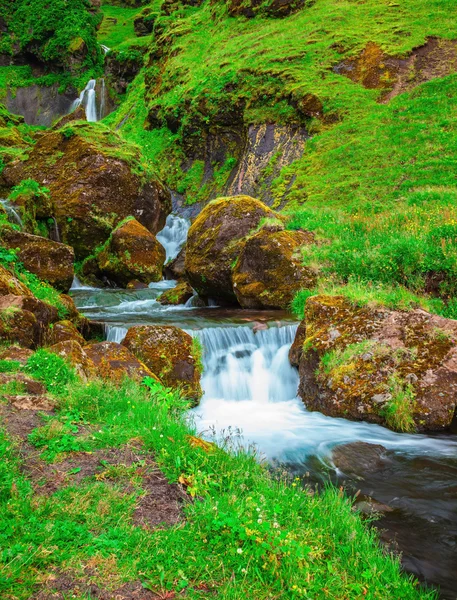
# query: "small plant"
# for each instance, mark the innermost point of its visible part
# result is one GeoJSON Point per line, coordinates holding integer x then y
{"type": "Point", "coordinates": [9, 366]}
{"type": "Point", "coordinates": [398, 411]}
{"type": "Point", "coordinates": [51, 369]}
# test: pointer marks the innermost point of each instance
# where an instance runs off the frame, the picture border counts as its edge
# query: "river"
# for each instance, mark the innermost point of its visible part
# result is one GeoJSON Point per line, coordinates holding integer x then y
{"type": "Point", "coordinates": [250, 394]}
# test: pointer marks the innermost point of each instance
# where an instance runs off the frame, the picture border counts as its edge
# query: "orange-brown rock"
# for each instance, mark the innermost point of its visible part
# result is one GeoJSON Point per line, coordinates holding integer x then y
{"type": "Point", "coordinates": [48, 260]}
{"type": "Point", "coordinates": [93, 183]}
{"type": "Point", "coordinates": [171, 354]}
{"type": "Point", "coordinates": [44, 312]}
{"type": "Point", "coordinates": [269, 270]}
{"type": "Point", "coordinates": [395, 368]}
{"type": "Point", "coordinates": [20, 327]}
{"type": "Point", "coordinates": [115, 362]}
{"type": "Point", "coordinates": [16, 353]}
{"type": "Point", "coordinates": [215, 241]}
{"type": "Point", "coordinates": [63, 331]}
{"type": "Point", "coordinates": [74, 354]}
{"type": "Point", "coordinates": [10, 284]}
{"type": "Point", "coordinates": [132, 252]}
{"type": "Point", "coordinates": [180, 294]}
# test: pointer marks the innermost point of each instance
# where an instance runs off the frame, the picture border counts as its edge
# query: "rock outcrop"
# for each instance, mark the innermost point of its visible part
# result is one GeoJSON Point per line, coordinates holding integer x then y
{"type": "Point", "coordinates": [215, 241]}
{"type": "Point", "coordinates": [63, 331]}
{"type": "Point", "coordinates": [50, 261]}
{"type": "Point", "coordinates": [95, 182]}
{"type": "Point", "coordinates": [9, 284]}
{"type": "Point", "coordinates": [115, 362]}
{"type": "Point", "coordinates": [171, 354]}
{"type": "Point", "coordinates": [269, 270]}
{"type": "Point", "coordinates": [398, 369]}
{"type": "Point", "coordinates": [180, 294]}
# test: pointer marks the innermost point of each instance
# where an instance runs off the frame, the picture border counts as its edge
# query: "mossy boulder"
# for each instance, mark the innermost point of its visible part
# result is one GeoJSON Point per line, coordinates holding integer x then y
{"type": "Point", "coordinates": [394, 368]}
{"type": "Point", "coordinates": [269, 270]}
{"type": "Point", "coordinates": [115, 362]}
{"type": "Point", "coordinates": [215, 241]}
{"type": "Point", "coordinates": [45, 313]}
{"type": "Point", "coordinates": [10, 284]}
{"type": "Point", "coordinates": [180, 294]}
{"type": "Point", "coordinates": [171, 354]}
{"type": "Point", "coordinates": [16, 353]}
{"type": "Point", "coordinates": [95, 180]}
{"type": "Point", "coordinates": [63, 331]}
{"type": "Point", "coordinates": [50, 261]}
{"type": "Point", "coordinates": [131, 253]}
{"type": "Point", "coordinates": [20, 327]}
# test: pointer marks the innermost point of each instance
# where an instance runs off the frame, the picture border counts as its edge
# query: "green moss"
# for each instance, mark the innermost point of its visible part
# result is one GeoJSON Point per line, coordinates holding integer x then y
{"type": "Point", "coordinates": [399, 410]}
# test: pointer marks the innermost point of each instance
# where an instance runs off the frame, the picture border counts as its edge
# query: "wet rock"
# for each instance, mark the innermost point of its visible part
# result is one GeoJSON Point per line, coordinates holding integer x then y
{"type": "Point", "coordinates": [44, 313]}
{"type": "Point", "coordinates": [359, 458]}
{"type": "Point", "coordinates": [136, 285]}
{"type": "Point", "coordinates": [93, 181]}
{"type": "Point", "coordinates": [296, 349]}
{"type": "Point", "coordinates": [40, 105]}
{"type": "Point", "coordinates": [171, 354]}
{"type": "Point", "coordinates": [395, 368]}
{"type": "Point", "coordinates": [132, 252]}
{"type": "Point", "coordinates": [180, 294]}
{"type": "Point", "coordinates": [268, 272]}
{"type": "Point", "coordinates": [176, 269]}
{"type": "Point", "coordinates": [115, 362]}
{"type": "Point", "coordinates": [63, 331]}
{"type": "Point", "coordinates": [48, 260]}
{"type": "Point", "coordinates": [215, 241]}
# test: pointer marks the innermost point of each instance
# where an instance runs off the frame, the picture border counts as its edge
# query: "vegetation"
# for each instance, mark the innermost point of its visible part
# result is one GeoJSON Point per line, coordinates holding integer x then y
{"type": "Point", "coordinates": [249, 532]}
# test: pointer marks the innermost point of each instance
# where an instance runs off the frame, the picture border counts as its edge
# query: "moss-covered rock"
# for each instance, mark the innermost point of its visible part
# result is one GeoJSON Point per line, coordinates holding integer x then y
{"type": "Point", "coordinates": [398, 369]}
{"type": "Point", "coordinates": [215, 242]}
{"type": "Point", "coordinates": [16, 353]}
{"type": "Point", "coordinates": [115, 362]}
{"type": "Point", "coordinates": [20, 327]}
{"type": "Point", "coordinates": [72, 351]}
{"type": "Point", "coordinates": [50, 261]}
{"type": "Point", "coordinates": [95, 180]}
{"type": "Point", "coordinates": [180, 294]}
{"type": "Point", "coordinates": [171, 354]}
{"type": "Point", "coordinates": [9, 284]}
{"type": "Point", "coordinates": [44, 312]}
{"type": "Point", "coordinates": [269, 270]}
{"type": "Point", "coordinates": [63, 331]}
{"type": "Point", "coordinates": [132, 252]}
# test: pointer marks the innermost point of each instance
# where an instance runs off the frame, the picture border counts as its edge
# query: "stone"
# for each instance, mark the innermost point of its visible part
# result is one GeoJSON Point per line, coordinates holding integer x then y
{"type": "Point", "coordinates": [10, 284]}
{"type": "Point", "coordinates": [44, 312]}
{"type": "Point", "coordinates": [132, 252]}
{"type": "Point", "coordinates": [215, 242]}
{"type": "Point", "coordinates": [171, 354]}
{"type": "Point", "coordinates": [269, 270]}
{"type": "Point", "coordinates": [359, 458]}
{"type": "Point", "coordinates": [16, 353]}
{"type": "Point", "coordinates": [48, 260]}
{"type": "Point", "coordinates": [387, 367]}
{"type": "Point", "coordinates": [92, 177]}
{"type": "Point", "coordinates": [20, 327]}
{"type": "Point", "coordinates": [115, 362]}
{"type": "Point", "coordinates": [28, 385]}
{"type": "Point", "coordinates": [176, 269]}
{"type": "Point", "coordinates": [63, 331]}
{"type": "Point", "coordinates": [72, 351]}
{"type": "Point", "coordinates": [180, 294]}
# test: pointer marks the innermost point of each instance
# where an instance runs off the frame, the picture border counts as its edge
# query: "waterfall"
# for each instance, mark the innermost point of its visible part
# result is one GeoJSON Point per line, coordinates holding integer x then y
{"type": "Point", "coordinates": [115, 333]}
{"type": "Point", "coordinates": [88, 99]}
{"type": "Point", "coordinates": [250, 393]}
{"type": "Point", "coordinates": [104, 48]}
{"type": "Point", "coordinates": [174, 235]}
{"type": "Point", "coordinates": [55, 233]}
{"type": "Point", "coordinates": [11, 212]}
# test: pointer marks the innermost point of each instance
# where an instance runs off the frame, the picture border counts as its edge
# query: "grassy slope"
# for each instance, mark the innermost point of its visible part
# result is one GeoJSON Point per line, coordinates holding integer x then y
{"type": "Point", "coordinates": [248, 535]}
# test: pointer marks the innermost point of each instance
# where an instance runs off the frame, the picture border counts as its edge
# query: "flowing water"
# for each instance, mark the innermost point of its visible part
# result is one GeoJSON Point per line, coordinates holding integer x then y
{"type": "Point", "coordinates": [173, 235]}
{"type": "Point", "coordinates": [11, 212]}
{"type": "Point", "coordinates": [250, 393]}
{"type": "Point", "coordinates": [88, 99]}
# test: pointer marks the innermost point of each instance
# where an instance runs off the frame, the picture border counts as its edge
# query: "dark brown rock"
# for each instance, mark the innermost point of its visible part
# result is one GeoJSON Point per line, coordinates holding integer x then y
{"type": "Point", "coordinates": [359, 458]}
{"type": "Point", "coordinates": [63, 331]}
{"type": "Point", "coordinates": [115, 362]}
{"type": "Point", "coordinates": [44, 313]}
{"type": "Point", "coordinates": [48, 260]}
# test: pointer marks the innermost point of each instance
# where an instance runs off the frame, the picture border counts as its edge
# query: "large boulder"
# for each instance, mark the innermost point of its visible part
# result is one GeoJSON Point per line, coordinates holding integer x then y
{"type": "Point", "coordinates": [74, 354]}
{"type": "Point", "coordinates": [269, 270]}
{"type": "Point", "coordinates": [48, 260]}
{"type": "Point", "coordinates": [95, 180]}
{"type": "Point", "coordinates": [45, 313]}
{"type": "Point", "coordinates": [115, 362]}
{"type": "Point", "coordinates": [395, 368]}
{"type": "Point", "coordinates": [132, 252]}
{"type": "Point", "coordinates": [215, 241]}
{"type": "Point", "coordinates": [63, 331]}
{"type": "Point", "coordinates": [171, 354]}
{"type": "Point", "coordinates": [20, 327]}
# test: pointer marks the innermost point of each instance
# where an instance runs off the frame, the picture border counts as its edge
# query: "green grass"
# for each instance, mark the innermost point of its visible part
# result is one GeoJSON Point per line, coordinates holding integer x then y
{"type": "Point", "coordinates": [247, 533]}
{"type": "Point", "coordinates": [398, 410]}
{"type": "Point", "coordinates": [117, 31]}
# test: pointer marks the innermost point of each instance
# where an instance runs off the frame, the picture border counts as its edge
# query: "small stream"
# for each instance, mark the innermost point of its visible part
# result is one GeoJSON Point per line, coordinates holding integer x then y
{"type": "Point", "coordinates": [250, 394]}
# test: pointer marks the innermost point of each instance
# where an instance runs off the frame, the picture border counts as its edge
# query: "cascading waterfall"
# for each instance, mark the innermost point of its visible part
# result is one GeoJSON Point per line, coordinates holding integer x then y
{"type": "Point", "coordinates": [11, 212]}
{"type": "Point", "coordinates": [250, 388]}
{"type": "Point", "coordinates": [173, 236]}
{"type": "Point", "coordinates": [88, 99]}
